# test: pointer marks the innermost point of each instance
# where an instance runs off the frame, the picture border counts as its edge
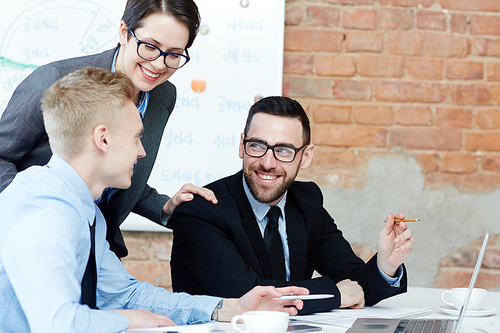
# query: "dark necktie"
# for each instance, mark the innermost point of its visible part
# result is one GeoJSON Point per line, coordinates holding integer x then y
{"type": "Point", "coordinates": [274, 246]}
{"type": "Point", "coordinates": [89, 282]}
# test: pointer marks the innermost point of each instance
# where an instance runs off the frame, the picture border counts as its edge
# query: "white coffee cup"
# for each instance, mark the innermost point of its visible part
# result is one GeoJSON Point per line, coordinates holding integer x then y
{"type": "Point", "coordinates": [262, 322]}
{"type": "Point", "coordinates": [476, 301]}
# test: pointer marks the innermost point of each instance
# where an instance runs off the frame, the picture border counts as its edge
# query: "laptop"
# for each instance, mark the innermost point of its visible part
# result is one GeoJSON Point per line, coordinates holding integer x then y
{"type": "Point", "coordinates": [385, 325]}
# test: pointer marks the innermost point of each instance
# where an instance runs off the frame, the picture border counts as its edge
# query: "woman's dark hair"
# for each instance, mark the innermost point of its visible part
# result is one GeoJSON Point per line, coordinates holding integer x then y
{"type": "Point", "coordinates": [185, 11]}
{"type": "Point", "coordinates": [282, 107]}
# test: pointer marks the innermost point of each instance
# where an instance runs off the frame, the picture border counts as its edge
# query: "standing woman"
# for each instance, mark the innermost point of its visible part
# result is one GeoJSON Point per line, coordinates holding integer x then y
{"type": "Point", "coordinates": [154, 37]}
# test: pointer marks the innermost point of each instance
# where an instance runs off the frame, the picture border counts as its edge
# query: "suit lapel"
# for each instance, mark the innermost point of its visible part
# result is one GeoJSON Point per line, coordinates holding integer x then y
{"type": "Point", "coordinates": [249, 223]}
{"type": "Point", "coordinates": [297, 241]}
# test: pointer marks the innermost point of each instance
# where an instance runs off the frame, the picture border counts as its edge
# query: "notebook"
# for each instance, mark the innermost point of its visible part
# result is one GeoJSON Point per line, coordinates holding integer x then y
{"type": "Point", "coordinates": [383, 325]}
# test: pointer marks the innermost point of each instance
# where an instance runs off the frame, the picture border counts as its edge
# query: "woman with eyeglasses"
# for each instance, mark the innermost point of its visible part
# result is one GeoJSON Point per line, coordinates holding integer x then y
{"type": "Point", "coordinates": [154, 37]}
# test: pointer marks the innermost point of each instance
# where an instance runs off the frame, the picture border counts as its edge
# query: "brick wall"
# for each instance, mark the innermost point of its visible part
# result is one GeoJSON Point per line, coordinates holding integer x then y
{"type": "Point", "coordinates": [418, 78]}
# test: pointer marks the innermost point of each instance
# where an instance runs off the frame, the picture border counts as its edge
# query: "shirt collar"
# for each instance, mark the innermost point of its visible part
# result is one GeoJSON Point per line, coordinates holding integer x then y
{"type": "Point", "coordinates": [260, 209]}
{"type": "Point", "coordinates": [69, 174]}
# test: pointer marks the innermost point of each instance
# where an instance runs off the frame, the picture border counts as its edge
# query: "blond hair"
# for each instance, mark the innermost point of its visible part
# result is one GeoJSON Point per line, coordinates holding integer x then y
{"type": "Point", "coordinates": [75, 104]}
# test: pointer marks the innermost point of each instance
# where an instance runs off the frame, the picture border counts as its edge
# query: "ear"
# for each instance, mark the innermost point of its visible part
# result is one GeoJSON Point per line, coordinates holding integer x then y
{"type": "Point", "coordinates": [101, 140]}
{"type": "Point", "coordinates": [123, 33]}
{"type": "Point", "coordinates": [307, 156]}
{"type": "Point", "coordinates": [241, 151]}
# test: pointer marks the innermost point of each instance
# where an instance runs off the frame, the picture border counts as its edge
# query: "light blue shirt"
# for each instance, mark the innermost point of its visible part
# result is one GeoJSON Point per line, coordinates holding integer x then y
{"type": "Point", "coordinates": [44, 248]}
{"type": "Point", "coordinates": [260, 211]}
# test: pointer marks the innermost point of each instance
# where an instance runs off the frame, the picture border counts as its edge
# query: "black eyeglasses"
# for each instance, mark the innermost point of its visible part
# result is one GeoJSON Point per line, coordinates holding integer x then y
{"type": "Point", "coordinates": [282, 153]}
{"type": "Point", "coordinates": [150, 52]}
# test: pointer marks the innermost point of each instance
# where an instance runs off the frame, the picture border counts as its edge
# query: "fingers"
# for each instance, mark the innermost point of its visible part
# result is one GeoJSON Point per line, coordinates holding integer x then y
{"type": "Point", "coordinates": [293, 291]}
{"type": "Point", "coordinates": [351, 294]}
{"type": "Point", "coordinates": [405, 241]}
{"type": "Point", "coordinates": [188, 189]}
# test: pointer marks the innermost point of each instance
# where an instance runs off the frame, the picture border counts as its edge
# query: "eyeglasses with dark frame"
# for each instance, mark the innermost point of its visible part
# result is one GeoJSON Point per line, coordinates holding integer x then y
{"type": "Point", "coordinates": [150, 52]}
{"type": "Point", "coordinates": [282, 153]}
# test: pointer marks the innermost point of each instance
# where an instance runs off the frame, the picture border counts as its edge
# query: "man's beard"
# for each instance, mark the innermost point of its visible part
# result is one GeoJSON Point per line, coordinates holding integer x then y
{"type": "Point", "coordinates": [271, 193]}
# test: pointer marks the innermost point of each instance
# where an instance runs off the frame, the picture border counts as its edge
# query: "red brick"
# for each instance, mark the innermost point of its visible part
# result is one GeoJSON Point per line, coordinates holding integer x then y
{"type": "Point", "coordinates": [322, 16]}
{"type": "Point", "coordinates": [425, 68]}
{"type": "Point", "coordinates": [490, 162]}
{"type": "Point", "coordinates": [425, 44]}
{"type": "Point", "coordinates": [477, 94]}
{"type": "Point", "coordinates": [485, 25]}
{"type": "Point", "coordinates": [327, 113]}
{"type": "Point", "coordinates": [349, 136]}
{"type": "Point", "coordinates": [298, 63]}
{"type": "Point", "coordinates": [465, 183]}
{"type": "Point", "coordinates": [313, 40]}
{"type": "Point", "coordinates": [395, 18]}
{"type": "Point", "coordinates": [495, 93]}
{"type": "Point", "coordinates": [486, 47]}
{"type": "Point", "coordinates": [465, 70]}
{"type": "Point", "coordinates": [413, 116]}
{"type": "Point", "coordinates": [328, 158]}
{"type": "Point", "coordinates": [161, 248]}
{"type": "Point", "coordinates": [446, 46]}
{"type": "Point", "coordinates": [157, 274]}
{"type": "Point", "coordinates": [425, 138]}
{"type": "Point", "coordinates": [298, 87]}
{"type": "Point", "coordinates": [360, 19]}
{"type": "Point", "coordinates": [471, 5]}
{"type": "Point", "coordinates": [294, 15]}
{"type": "Point", "coordinates": [460, 278]}
{"type": "Point", "coordinates": [454, 117]}
{"type": "Point", "coordinates": [458, 162]}
{"type": "Point", "coordinates": [350, 2]}
{"type": "Point", "coordinates": [431, 20]}
{"type": "Point", "coordinates": [364, 41]}
{"type": "Point", "coordinates": [408, 3]}
{"type": "Point", "coordinates": [458, 23]}
{"type": "Point", "coordinates": [428, 162]}
{"type": "Point", "coordinates": [353, 90]}
{"type": "Point", "coordinates": [493, 71]}
{"type": "Point", "coordinates": [410, 92]}
{"type": "Point", "coordinates": [488, 119]}
{"type": "Point", "coordinates": [139, 248]}
{"type": "Point", "coordinates": [485, 141]}
{"type": "Point", "coordinates": [380, 66]}
{"type": "Point", "coordinates": [372, 115]}
{"type": "Point", "coordinates": [335, 65]}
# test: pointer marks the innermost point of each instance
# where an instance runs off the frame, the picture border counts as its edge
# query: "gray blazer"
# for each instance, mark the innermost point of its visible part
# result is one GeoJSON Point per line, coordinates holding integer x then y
{"type": "Point", "coordinates": [24, 142]}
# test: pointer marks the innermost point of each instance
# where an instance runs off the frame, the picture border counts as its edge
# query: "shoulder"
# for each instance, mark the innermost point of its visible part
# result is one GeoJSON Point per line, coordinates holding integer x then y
{"type": "Point", "coordinates": [307, 193]}
{"type": "Point", "coordinates": [202, 208]}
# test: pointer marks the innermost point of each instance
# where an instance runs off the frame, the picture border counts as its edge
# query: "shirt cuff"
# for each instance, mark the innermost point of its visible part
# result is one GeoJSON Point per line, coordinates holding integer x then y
{"type": "Point", "coordinates": [393, 281]}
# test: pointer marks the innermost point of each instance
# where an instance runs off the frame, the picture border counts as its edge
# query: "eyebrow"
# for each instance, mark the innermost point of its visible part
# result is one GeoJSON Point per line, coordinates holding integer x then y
{"type": "Point", "coordinates": [286, 144]}
{"type": "Point", "coordinates": [154, 41]}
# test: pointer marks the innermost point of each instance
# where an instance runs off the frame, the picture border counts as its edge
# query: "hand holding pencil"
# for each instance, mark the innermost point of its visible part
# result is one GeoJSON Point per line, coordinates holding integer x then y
{"type": "Point", "coordinates": [395, 243]}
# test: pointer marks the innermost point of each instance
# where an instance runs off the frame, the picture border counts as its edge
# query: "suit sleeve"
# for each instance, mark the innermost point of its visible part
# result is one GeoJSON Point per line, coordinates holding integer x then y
{"type": "Point", "coordinates": [21, 125]}
{"type": "Point", "coordinates": [205, 248]}
{"type": "Point", "coordinates": [338, 261]}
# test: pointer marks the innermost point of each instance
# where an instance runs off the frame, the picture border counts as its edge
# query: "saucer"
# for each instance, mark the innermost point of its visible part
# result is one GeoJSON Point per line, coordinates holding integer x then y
{"type": "Point", "coordinates": [485, 311]}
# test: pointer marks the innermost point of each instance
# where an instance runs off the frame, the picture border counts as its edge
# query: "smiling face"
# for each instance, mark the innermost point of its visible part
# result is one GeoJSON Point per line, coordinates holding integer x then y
{"type": "Point", "coordinates": [161, 30]}
{"type": "Point", "coordinates": [125, 147]}
{"type": "Point", "coordinates": [267, 178]}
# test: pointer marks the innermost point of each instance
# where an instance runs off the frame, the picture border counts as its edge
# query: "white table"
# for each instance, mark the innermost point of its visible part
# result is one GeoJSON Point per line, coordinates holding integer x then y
{"type": "Point", "coordinates": [420, 298]}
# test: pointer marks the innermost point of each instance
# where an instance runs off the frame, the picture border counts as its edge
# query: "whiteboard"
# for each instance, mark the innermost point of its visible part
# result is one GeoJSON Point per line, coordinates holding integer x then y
{"type": "Point", "coordinates": [238, 55]}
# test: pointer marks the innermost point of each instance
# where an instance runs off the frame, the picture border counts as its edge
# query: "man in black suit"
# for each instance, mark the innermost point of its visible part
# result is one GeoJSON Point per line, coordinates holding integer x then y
{"type": "Point", "coordinates": [228, 248]}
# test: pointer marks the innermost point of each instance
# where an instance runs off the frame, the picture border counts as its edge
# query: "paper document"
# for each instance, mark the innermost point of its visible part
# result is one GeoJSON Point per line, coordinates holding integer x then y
{"type": "Point", "coordinates": [378, 312]}
{"type": "Point", "coordinates": [196, 328]}
{"type": "Point", "coordinates": [324, 320]}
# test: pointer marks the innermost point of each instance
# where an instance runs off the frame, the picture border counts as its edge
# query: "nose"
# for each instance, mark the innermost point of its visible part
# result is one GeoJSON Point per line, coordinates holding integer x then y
{"type": "Point", "coordinates": [141, 152]}
{"type": "Point", "coordinates": [159, 63]}
{"type": "Point", "coordinates": [268, 161]}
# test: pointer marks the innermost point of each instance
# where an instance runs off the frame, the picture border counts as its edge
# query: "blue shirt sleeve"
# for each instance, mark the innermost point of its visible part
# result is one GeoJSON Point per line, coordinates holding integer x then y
{"type": "Point", "coordinates": [393, 281]}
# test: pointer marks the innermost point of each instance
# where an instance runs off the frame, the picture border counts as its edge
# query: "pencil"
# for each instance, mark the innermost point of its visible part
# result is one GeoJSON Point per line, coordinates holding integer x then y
{"type": "Point", "coordinates": [405, 220]}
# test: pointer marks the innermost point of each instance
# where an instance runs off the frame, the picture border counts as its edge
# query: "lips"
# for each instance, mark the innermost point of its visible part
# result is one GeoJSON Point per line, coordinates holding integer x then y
{"type": "Point", "coordinates": [266, 177]}
{"type": "Point", "coordinates": [148, 74]}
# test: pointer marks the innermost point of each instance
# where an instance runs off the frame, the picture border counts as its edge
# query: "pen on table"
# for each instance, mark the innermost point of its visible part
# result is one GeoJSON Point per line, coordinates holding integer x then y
{"type": "Point", "coordinates": [405, 220]}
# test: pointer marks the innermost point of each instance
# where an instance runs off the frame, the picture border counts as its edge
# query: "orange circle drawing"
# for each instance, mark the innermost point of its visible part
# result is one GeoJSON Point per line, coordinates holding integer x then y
{"type": "Point", "coordinates": [198, 85]}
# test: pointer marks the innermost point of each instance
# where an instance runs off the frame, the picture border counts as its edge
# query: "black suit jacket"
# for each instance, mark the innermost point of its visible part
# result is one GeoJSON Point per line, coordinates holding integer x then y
{"type": "Point", "coordinates": [24, 142]}
{"type": "Point", "coordinates": [219, 250]}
